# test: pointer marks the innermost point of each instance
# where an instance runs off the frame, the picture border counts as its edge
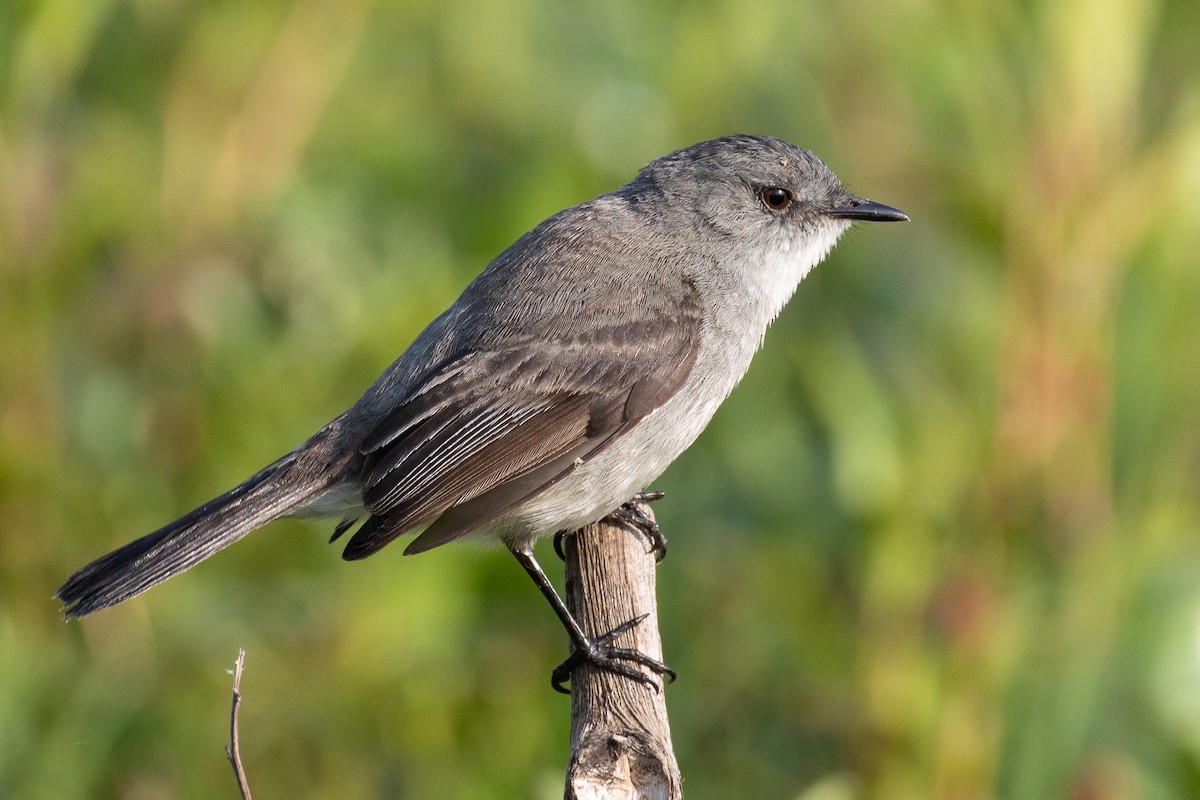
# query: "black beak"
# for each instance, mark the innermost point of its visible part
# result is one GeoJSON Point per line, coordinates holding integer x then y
{"type": "Point", "coordinates": [859, 208]}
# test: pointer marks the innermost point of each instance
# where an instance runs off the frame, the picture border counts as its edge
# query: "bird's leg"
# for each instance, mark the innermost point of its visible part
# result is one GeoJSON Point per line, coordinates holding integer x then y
{"type": "Point", "coordinates": [631, 512]}
{"type": "Point", "coordinates": [597, 651]}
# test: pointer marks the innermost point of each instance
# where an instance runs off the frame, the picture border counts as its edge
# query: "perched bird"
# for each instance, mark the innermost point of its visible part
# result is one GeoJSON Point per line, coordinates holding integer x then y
{"type": "Point", "coordinates": [567, 376]}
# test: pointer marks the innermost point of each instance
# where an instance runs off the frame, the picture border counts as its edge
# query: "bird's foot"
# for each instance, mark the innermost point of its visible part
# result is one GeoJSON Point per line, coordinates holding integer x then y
{"type": "Point", "coordinates": [631, 512]}
{"type": "Point", "coordinates": [618, 660]}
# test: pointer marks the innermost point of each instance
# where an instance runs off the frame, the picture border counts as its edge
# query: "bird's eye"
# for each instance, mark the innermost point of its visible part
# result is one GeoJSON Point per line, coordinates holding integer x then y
{"type": "Point", "coordinates": [776, 198]}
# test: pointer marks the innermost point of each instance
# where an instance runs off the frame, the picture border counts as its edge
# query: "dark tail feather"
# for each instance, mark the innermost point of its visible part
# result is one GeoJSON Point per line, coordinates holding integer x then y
{"type": "Point", "coordinates": [187, 541]}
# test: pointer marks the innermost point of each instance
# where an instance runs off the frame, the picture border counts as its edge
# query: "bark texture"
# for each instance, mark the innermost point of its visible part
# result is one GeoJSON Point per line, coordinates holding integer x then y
{"type": "Point", "coordinates": [620, 736]}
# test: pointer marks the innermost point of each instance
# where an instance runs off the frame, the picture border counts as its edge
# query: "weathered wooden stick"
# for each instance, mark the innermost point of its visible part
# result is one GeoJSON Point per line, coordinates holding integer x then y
{"type": "Point", "coordinates": [620, 736]}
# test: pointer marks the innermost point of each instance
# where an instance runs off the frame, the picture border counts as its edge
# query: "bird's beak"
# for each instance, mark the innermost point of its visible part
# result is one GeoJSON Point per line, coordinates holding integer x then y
{"type": "Point", "coordinates": [860, 208]}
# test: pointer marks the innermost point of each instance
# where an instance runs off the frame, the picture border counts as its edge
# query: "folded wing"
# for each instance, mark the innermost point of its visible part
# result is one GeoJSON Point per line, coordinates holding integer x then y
{"type": "Point", "coordinates": [489, 430]}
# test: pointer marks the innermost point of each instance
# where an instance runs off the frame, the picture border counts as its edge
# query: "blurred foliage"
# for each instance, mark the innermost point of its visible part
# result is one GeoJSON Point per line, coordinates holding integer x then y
{"type": "Point", "coordinates": [942, 543]}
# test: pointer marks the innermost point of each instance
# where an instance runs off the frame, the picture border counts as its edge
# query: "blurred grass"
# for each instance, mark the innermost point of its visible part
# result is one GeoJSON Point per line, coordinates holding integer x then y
{"type": "Point", "coordinates": [942, 542]}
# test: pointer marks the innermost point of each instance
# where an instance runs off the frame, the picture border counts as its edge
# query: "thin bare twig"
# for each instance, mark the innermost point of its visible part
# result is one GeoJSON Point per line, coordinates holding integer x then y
{"type": "Point", "coordinates": [231, 750]}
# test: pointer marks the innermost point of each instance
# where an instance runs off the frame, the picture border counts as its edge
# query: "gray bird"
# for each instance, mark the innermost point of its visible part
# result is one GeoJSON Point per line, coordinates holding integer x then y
{"type": "Point", "coordinates": [582, 361]}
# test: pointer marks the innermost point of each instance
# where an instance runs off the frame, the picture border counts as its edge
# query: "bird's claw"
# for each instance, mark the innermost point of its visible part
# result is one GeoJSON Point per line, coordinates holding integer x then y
{"type": "Point", "coordinates": [632, 512]}
{"type": "Point", "coordinates": [559, 538]}
{"type": "Point", "coordinates": [613, 659]}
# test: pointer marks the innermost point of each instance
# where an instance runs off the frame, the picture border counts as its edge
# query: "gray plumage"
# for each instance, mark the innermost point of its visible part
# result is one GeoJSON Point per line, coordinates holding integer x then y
{"type": "Point", "coordinates": [568, 375]}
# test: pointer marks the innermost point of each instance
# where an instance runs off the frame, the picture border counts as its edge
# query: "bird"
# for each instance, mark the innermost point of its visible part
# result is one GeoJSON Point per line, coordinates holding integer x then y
{"type": "Point", "coordinates": [565, 378]}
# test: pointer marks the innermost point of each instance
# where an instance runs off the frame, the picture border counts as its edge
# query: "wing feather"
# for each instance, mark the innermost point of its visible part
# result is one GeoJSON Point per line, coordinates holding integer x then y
{"type": "Point", "coordinates": [487, 431]}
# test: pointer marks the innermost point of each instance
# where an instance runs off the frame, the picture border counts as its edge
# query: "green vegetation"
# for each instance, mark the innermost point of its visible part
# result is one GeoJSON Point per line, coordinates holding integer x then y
{"type": "Point", "coordinates": [944, 542]}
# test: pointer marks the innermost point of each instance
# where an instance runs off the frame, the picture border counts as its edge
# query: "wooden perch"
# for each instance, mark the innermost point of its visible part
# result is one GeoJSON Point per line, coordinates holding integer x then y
{"type": "Point", "coordinates": [620, 736]}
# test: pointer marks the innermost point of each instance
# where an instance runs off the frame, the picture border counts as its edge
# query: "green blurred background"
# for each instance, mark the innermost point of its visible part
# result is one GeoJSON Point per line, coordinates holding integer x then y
{"type": "Point", "coordinates": [943, 542]}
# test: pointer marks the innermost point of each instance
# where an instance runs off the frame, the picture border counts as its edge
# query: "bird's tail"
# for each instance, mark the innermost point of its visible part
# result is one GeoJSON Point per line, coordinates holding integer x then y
{"type": "Point", "coordinates": [276, 491]}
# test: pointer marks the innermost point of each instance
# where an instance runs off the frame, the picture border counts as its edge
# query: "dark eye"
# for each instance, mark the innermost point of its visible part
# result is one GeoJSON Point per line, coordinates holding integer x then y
{"type": "Point", "coordinates": [776, 198]}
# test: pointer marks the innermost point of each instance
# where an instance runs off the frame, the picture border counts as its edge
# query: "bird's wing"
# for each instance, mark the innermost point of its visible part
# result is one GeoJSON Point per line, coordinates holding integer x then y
{"type": "Point", "coordinates": [491, 429]}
